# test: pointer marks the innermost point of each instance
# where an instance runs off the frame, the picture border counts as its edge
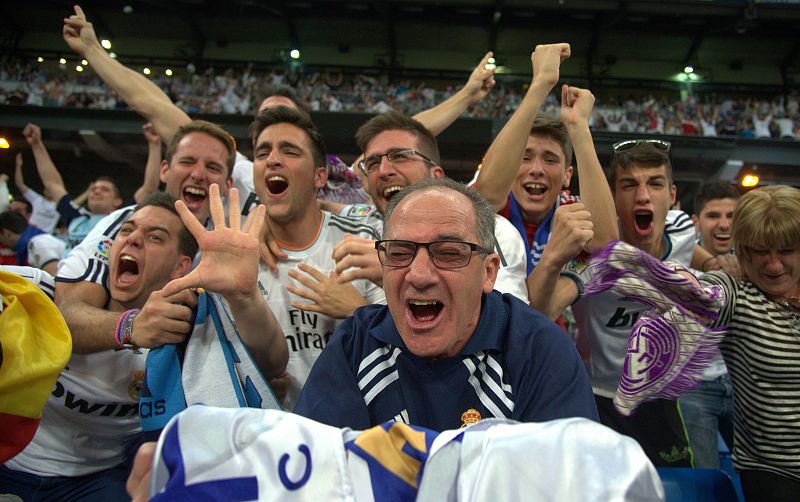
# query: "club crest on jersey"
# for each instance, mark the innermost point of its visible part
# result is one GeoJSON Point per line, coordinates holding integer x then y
{"type": "Point", "coordinates": [135, 387]}
{"type": "Point", "coordinates": [359, 210]}
{"type": "Point", "coordinates": [469, 417]}
{"type": "Point", "coordinates": [102, 249]}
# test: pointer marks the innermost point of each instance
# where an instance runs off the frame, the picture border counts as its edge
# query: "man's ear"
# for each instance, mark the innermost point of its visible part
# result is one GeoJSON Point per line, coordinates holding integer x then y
{"type": "Point", "coordinates": [181, 268]}
{"type": "Point", "coordinates": [162, 173]}
{"type": "Point", "coordinates": [492, 265]}
{"type": "Point", "coordinates": [320, 177]}
{"type": "Point", "coordinates": [117, 202]}
{"type": "Point", "coordinates": [437, 172]}
{"type": "Point", "coordinates": [567, 176]}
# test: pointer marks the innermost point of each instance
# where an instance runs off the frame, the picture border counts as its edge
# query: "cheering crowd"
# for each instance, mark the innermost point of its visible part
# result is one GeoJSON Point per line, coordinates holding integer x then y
{"type": "Point", "coordinates": [397, 300]}
{"type": "Point", "coordinates": [233, 92]}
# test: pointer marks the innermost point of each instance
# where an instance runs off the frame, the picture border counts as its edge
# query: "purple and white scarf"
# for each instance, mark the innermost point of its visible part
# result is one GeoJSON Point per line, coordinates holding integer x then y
{"type": "Point", "coordinates": [670, 344]}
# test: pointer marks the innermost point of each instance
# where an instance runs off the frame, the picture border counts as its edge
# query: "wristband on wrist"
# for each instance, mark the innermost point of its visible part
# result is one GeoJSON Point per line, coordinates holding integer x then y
{"type": "Point", "coordinates": [124, 332]}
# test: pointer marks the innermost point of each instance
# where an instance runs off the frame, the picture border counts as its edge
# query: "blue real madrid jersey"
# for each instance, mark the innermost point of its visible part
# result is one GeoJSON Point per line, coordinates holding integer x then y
{"type": "Point", "coordinates": [517, 364]}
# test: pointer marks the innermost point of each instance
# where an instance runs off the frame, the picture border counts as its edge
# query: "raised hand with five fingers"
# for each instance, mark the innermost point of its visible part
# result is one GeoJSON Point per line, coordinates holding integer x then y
{"type": "Point", "coordinates": [229, 266]}
{"type": "Point", "coordinates": [229, 261]}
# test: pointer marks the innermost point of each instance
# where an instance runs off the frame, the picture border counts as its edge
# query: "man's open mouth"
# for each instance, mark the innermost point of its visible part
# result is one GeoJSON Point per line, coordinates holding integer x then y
{"type": "Point", "coordinates": [425, 310]}
{"type": "Point", "coordinates": [127, 270]}
{"type": "Point", "coordinates": [390, 192]}
{"type": "Point", "coordinates": [276, 185]}
{"type": "Point", "coordinates": [722, 236]}
{"type": "Point", "coordinates": [643, 220]}
{"type": "Point", "coordinates": [194, 195]}
{"type": "Point", "coordinates": [535, 188]}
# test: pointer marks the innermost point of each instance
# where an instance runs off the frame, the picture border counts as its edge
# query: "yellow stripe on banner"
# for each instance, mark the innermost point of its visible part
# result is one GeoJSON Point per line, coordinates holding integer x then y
{"type": "Point", "coordinates": [36, 346]}
{"type": "Point", "coordinates": [387, 448]}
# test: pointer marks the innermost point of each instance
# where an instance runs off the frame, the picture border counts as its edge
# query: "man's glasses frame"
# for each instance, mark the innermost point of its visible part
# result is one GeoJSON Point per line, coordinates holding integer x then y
{"type": "Point", "coordinates": [394, 155]}
{"type": "Point", "coordinates": [459, 255]}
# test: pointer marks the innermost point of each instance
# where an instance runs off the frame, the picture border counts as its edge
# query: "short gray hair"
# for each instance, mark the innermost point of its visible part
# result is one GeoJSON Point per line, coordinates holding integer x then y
{"type": "Point", "coordinates": [484, 214]}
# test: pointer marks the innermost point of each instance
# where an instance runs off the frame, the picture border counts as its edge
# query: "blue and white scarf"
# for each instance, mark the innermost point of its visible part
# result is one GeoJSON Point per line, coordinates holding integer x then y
{"type": "Point", "coordinates": [540, 238]}
{"type": "Point", "coordinates": [212, 366]}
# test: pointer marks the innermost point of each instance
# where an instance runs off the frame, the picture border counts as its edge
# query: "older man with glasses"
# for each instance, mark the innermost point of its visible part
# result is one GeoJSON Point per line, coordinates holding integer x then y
{"type": "Point", "coordinates": [446, 350]}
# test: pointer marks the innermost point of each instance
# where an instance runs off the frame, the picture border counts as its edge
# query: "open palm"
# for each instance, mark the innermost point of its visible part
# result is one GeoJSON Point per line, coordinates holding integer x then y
{"type": "Point", "coordinates": [229, 260]}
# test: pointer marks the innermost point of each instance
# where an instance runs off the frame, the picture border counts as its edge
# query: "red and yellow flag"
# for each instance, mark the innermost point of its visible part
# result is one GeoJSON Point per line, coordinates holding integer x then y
{"type": "Point", "coordinates": [35, 345]}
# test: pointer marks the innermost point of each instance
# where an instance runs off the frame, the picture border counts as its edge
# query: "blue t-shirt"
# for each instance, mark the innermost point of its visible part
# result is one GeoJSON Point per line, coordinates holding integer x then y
{"type": "Point", "coordinates": [79, 221]}
{"type": "Point", "coordinates": [22, 244]}
{"type": "Point", "coordinates": [517, 364]}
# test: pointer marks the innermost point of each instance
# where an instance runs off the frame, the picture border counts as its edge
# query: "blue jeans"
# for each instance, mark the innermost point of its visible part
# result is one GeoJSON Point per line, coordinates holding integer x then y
{"type": "Point", "coordinates": [108, 485]}
{"type": "Point", "coordinates": [706, 410]}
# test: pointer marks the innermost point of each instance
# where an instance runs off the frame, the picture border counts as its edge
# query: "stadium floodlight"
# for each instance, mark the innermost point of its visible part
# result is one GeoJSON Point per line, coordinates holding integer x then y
{"type": "Point", "coordinates": [749, 180]}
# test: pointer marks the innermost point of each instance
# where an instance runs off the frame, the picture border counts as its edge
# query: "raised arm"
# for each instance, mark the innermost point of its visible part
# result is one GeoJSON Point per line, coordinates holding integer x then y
{"type": "Point", "coordinates": [83, 196]}
{"type": "Point", "coordinates": [478, 85]}
{"type": "Point", "coordinates": [229, 266]}
{"type": "Point", "coordinates": [4, 203]}
{"type": "Point", "coordinates": [135, 89]}
{"type": "Point", "coordinates": [151, 169]}
{"type": "Point", "coordinates": [502, 160]}
{"type": "Point", "coordinates": [51, 178]}
{"type": "Point", "coordinates": [576, 108]}
{"type": "Point", "coordinates": [19, 180]}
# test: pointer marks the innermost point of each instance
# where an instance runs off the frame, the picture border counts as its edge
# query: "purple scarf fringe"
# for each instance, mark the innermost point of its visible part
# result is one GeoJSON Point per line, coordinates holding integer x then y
{"type": "Point", "coordinates": [669, 345]}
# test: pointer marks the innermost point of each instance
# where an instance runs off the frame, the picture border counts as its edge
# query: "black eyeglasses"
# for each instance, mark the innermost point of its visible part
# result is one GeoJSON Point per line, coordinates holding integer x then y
{"type": "Point", "coordinates": [444, 254]}
{"type": "Point", "coordinates": [630, 144]}
{"type": "Point", "coordinates": [396, 156]}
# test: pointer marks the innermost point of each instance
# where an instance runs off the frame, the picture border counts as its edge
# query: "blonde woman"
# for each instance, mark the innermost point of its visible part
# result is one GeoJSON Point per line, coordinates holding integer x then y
{"type": "Point", "coordinates": [762, 342]}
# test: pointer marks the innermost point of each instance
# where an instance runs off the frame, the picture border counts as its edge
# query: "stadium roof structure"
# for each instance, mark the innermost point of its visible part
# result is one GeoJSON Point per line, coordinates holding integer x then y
{"type": "Point", "coordinates": [750, 42]}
